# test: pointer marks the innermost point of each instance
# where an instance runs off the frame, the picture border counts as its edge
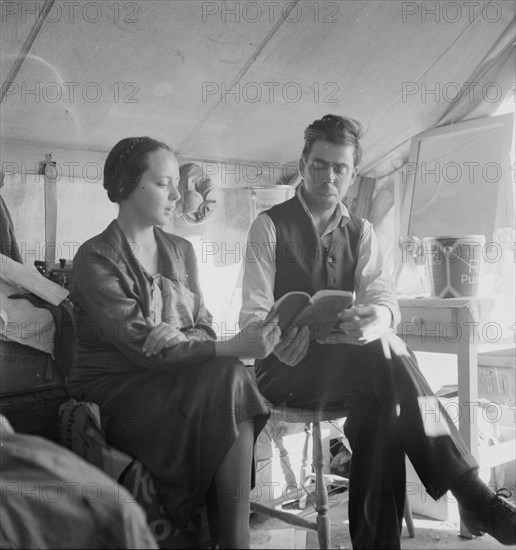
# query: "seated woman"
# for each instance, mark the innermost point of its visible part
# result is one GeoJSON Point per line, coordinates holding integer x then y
{"type": "Point", "coordinates": [172, 396]}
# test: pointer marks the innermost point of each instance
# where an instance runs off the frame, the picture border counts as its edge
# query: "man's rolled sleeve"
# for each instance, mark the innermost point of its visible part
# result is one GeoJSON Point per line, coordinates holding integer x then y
{"type": "Point", "coordinates": [372, 284]}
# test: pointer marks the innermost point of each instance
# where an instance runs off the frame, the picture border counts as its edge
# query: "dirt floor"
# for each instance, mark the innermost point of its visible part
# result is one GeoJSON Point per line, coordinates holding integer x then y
{"type": "Point", "coordinates": [437, 535]}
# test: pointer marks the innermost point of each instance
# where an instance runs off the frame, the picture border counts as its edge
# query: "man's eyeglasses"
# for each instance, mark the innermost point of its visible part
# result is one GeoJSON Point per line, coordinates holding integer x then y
{"type": "Point", "coordinates": [322, 165]}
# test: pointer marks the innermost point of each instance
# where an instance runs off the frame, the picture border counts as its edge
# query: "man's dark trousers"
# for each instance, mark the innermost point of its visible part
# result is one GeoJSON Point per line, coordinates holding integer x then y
{"type": "Point", "coordinates": [391, 411]}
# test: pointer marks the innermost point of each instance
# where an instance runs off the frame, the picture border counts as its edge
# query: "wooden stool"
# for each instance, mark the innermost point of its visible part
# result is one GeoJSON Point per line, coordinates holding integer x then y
{"type": "Point", "coordinates": [322, 524]}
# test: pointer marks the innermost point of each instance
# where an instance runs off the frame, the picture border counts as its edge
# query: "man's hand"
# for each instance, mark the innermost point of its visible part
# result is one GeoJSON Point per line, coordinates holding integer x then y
{"type": "Point", "coordinates": [293, 346]}
{"type": "Point", "coordinates": [161, 336]}
{"type": "Point", "coordinates": [366, 323]}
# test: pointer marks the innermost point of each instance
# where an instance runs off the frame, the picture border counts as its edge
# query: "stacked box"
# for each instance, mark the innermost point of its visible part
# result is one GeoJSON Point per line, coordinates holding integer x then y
{"type": "Point", "coordinates": [31, 390]}
{"type": "Point", "coordinates": [497, 377]}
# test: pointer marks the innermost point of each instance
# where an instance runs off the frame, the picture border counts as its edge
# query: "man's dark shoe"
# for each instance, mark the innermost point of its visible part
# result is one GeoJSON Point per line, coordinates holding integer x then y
{"type": "Point", "coordinates": [497, 517]}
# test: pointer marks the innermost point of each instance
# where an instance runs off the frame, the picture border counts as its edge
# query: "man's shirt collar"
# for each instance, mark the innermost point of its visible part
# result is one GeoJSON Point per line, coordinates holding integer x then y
{"type": "Point", "coordinates": [340, 215]}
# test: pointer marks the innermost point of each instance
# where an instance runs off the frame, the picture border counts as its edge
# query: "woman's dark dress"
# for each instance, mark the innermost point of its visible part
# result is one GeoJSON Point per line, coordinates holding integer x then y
{"type": "Point", "coordinates": [178, 411]}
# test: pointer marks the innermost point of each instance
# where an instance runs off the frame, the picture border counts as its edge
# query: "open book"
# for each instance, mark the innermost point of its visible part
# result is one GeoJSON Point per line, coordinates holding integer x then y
{"type": "Point", "coordinates": [319, 312]}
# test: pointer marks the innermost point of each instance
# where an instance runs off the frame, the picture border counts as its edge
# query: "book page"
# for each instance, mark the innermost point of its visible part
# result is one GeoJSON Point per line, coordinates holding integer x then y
{"type": "Point", "coordinates": [321, 316]}
{"type": "Point", "coordinates": [287, 307]}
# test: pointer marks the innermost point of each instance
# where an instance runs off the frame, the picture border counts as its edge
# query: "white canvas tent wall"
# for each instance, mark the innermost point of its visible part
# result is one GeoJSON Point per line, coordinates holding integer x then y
{"type": "Point", "coordinates": [161, 68]}
{"type": "Point", "coordinates": [236, 83]}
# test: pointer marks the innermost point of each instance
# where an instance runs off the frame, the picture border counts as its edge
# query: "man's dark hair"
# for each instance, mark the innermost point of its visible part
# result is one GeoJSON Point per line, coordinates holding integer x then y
{"type": "Point", "coordinates": [336, 129]}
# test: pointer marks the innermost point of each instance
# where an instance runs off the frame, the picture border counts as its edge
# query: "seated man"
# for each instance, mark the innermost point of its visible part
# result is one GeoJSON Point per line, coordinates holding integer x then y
{"type": "Point", "coordinates": [309, 243]}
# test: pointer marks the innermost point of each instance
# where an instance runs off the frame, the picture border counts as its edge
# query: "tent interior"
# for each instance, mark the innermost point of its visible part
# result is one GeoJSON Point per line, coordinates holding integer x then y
{"type": "Point", "coordinates": [231, 86]}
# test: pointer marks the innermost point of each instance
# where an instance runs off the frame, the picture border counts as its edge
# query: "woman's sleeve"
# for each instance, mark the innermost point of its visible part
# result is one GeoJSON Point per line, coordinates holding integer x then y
{"type": "Point", "coordinates": [106, 294]}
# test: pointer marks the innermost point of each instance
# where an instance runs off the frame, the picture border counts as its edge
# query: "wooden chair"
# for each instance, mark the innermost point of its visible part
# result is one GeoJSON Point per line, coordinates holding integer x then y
{"type": "Point", "coordinates": [322, 523]}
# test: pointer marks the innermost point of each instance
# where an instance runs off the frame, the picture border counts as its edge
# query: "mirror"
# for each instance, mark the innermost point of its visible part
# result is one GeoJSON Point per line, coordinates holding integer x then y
{"type": "Point", "coordinates": [458, 180]}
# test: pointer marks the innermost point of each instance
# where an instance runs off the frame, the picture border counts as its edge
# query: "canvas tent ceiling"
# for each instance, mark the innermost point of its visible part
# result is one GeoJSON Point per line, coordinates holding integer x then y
{"type": "Point", "coordinates": [141, 68]}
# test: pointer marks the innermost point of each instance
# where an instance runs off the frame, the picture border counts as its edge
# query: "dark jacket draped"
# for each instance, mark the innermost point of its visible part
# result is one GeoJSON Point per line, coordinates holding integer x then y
{"type": "Point", "coordinates": [112, 296]}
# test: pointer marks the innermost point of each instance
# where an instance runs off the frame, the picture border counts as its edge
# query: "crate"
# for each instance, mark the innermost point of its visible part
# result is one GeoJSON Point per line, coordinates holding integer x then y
{"type": "Point", "coordinates": [497, 377]}
{"type": "Point", "coordinates": [34, 413]}
{"type": "Point", "coordinates": [24, 369]}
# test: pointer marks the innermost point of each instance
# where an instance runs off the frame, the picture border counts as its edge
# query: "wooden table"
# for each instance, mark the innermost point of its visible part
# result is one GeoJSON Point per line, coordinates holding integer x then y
{"type": "Point", "coordinates": [451, 325]}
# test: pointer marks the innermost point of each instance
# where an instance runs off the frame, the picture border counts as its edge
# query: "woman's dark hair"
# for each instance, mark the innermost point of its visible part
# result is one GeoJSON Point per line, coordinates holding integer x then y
{"type": "Point", "coordinates": [126, 163]}
{"type": "Point", "coordinates": [336, 129]}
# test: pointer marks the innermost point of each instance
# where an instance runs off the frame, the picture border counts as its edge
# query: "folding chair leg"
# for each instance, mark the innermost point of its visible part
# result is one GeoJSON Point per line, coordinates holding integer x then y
{"type": "Point", "coordinates": [409, 520]}
{"type": "Point", "coordinates": [321, 493]}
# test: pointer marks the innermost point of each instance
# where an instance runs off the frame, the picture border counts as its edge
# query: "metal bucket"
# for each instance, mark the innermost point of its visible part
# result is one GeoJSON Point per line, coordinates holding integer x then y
{"type": "Point", "coordinates": [454, 265]}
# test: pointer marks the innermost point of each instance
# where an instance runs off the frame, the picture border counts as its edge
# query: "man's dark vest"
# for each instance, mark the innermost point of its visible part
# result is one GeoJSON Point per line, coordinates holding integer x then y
{"type": "Point", "coordinates": [302, 261]}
